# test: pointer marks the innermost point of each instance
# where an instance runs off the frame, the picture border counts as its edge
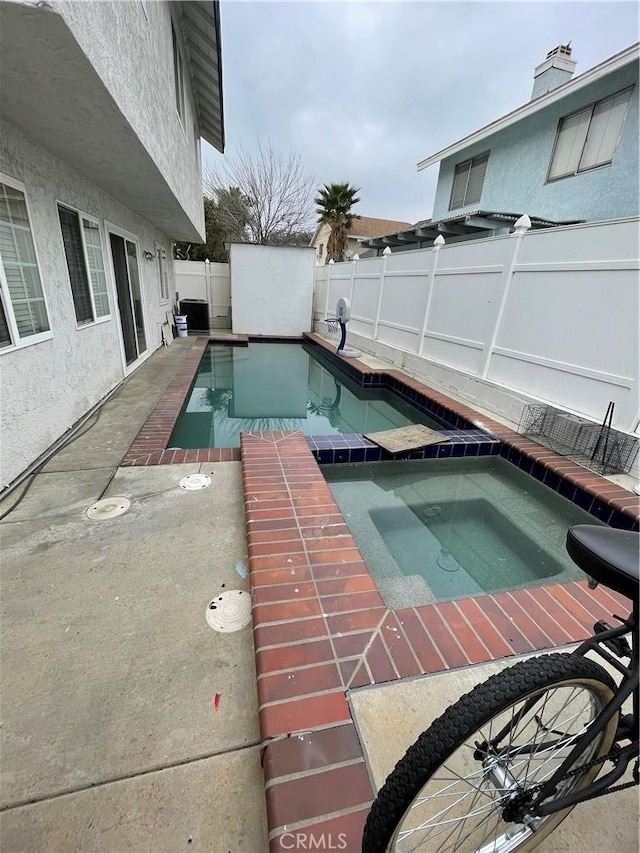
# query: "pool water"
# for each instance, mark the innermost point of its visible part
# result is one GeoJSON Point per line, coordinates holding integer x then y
{"type": "Point", "coordinates": [439, 529]}
{"type": "Point", "coordinates": [280, 386]}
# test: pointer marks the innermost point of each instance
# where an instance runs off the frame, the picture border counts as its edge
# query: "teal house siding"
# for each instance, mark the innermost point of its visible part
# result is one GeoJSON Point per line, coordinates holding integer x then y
{"type": "Point", "coordinates": [516, 176]}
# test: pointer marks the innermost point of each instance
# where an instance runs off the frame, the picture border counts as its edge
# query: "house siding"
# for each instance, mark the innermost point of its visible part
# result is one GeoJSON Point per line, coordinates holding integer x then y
{"type": "Point", "coordinates": [515, 181]}
{"type": "Point", "coordinates": [132, 52]}
{"type": "Point", "coordinates": [47, 386]}
{"type": "Point", "coordinates": [321, 239]}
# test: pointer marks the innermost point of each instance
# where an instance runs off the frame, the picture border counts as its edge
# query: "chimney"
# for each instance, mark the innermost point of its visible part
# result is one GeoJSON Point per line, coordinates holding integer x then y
{"type": "Point", "coordinates": [557, 69]}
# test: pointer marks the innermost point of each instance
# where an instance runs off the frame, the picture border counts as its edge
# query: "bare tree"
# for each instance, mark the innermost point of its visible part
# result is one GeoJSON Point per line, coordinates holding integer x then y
{"type": "Point", "coordinates": [276, 194]}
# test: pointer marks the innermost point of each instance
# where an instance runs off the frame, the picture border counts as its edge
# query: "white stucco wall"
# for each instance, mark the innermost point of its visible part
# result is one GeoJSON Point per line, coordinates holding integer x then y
{"type": "Point", "coordinates": [271, 289]}
{"type": "Point", "coordinates": [130, 46]}
{"type": "Point", "coordinates": [47, 386]}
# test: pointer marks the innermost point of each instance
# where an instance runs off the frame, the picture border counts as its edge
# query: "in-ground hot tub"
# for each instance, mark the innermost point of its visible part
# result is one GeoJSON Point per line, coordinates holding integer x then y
{"type": "Point", "coordinates": [439, 529]}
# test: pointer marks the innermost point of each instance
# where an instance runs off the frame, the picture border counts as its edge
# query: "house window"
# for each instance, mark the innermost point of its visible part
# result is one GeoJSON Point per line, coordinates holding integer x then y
{"type": "Point", "coordinates": [320, 249]}
{"type": "Point", "coordinates": [178, 75]}
{"type": "Point", "coordinates": [23, 311]}
{"type": "Point", "coordinates": [163, 273]}
{"type": "Point", "coordinates": [588, 138]}
{"type": "Point", "coordinates": [468, 180]}
{"type": "Point", "coordinates": [83, 251]}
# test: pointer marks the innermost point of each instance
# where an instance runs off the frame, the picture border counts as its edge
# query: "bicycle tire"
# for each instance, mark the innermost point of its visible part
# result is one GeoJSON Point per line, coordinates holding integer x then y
{"type": "Point", "coordinates": [441, 742]}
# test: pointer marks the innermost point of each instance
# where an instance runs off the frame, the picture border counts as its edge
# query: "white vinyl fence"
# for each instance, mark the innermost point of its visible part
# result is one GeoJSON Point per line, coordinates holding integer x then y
{"type": "Point", "coordinates": [547, 315]}
{"type": "Point", "coordinates": [202, 280]}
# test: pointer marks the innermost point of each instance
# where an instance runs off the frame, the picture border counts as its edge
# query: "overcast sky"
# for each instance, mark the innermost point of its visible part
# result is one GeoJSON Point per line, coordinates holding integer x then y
{"type": "Point", "coordinates": [364, 90]}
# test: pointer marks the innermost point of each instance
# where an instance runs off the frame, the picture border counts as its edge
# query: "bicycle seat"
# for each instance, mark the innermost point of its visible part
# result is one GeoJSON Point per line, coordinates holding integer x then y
{"type": "Point", "coordinates": [609, 556]}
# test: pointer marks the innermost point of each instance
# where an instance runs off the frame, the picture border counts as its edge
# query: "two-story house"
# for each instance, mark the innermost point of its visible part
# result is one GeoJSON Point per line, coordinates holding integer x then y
{"type": "Point", "coordinates": [103, 106]}
{"type": "Point", "coordinates": [570, 154]}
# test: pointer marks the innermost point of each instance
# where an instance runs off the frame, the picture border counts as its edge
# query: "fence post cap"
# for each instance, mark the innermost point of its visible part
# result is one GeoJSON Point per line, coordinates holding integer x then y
{"type": "Point", "coordinates": [522, 224]}
{"type": "Point", "coordinates": [387, 251]}
{"type": "Point", "coordinates": [439, 241]}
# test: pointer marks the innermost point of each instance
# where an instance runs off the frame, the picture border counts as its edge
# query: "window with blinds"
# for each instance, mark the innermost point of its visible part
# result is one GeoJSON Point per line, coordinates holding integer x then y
{"type": "Point", "coordinates": [163, 273]}
{"type": "Point", "coordinates": [23, 311]}
{"type": "Point", "coordinates": [589, 137]}
{"type": "Point", "coordinates": [468, 181]}
{"type": "Point", "coordinates": [85, 263]}
{"type": "Point", "coordinates": [95, 266]}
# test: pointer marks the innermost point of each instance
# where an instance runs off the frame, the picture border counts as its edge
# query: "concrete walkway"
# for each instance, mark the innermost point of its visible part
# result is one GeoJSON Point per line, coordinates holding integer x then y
{"type": "Point", "coordinates": [111, 736]}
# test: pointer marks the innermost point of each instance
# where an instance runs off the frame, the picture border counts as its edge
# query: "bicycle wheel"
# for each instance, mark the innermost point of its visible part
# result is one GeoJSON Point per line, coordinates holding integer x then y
{"type": "Point", "coordinates": [449, 791]}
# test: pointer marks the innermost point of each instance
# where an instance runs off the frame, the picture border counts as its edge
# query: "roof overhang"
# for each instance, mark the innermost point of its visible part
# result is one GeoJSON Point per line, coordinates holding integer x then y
{"type": "Point", "coordinates": [201, 30]}
{"type": "Point", "coordinates": [614, 63]}
{"type": "Point", "coordinates": [52, 92]}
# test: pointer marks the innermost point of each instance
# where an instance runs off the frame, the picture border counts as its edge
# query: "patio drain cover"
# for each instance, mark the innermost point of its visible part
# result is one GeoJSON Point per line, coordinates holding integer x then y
{"type": "Point", "coordinates": [195, 481]}
{"type": "Point", "coordinates": [108, 508]}
{"type": "Point", "coordinates": [229, 611]}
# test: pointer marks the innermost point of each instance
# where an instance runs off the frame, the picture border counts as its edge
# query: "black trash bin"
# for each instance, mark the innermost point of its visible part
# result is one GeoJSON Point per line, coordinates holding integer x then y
{"type": "Point", "coordinates": [197, 313]}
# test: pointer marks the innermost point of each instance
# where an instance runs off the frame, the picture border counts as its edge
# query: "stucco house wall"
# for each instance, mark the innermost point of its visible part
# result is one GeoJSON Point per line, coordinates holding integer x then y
{"type": "Point", "coordinates": [47, 386]}
{"type": "Point", "coordinates": [515, 179]}
{"type": "Point", "coordinates": [130, 46]}
{"type": "Point", "coordinates": [90, 121]}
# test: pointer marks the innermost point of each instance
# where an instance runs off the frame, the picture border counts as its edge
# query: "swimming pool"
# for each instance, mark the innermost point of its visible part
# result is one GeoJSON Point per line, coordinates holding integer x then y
{"type": "Point", "coordinates": [439, 529]}
{"type": "Point", "coordinates": [281, 386]}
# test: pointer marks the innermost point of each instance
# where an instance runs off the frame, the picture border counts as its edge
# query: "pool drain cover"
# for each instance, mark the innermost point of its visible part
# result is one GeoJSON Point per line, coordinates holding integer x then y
{"type": "Point", "coordinates": [108, 508]}
{"type": "Point", "coordinates": [229, 611]}
{"type": "Point", "coordinates": [431, 511]}
{"type": "Point", "coordinates": [447, 562]}
{"type": "Point", "coordinates": [195, 481]}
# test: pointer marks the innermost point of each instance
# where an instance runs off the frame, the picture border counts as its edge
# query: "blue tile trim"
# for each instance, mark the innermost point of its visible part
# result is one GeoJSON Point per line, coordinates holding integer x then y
{"type": "Point", "coordinates": [352, 447]}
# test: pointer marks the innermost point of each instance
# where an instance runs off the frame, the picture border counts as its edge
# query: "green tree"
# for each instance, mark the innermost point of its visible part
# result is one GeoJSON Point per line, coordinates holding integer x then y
{"type": "Point", "coordinates": [334, 203]}
{"type": "Point", "coordinates": [213, 249]}
{"type": "Point", "coordinates": [225, 218]}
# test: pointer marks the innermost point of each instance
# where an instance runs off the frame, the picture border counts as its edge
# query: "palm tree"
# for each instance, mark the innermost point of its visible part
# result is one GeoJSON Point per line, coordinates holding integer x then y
{"type": "Point", "coordinates": [334, 209]}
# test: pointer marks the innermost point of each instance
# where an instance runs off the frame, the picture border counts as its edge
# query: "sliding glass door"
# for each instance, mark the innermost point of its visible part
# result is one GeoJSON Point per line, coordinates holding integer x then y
{"type": "Point", "coordinates": [125, 267]}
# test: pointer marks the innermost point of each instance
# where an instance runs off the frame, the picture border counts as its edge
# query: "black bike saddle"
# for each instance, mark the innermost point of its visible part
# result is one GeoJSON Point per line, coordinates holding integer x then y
{"type": "Point", "coordinates": [611, 557]}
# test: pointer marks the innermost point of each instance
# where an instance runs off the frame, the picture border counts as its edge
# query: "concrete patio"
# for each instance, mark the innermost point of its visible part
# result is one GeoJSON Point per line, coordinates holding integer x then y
{"type": "Point", "coordinates": [111, 739]}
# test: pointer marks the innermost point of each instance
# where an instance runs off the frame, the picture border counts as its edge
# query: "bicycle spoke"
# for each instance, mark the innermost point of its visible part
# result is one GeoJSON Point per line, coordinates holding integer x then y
{"type": "Point", "coordinates": [552, 723]}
